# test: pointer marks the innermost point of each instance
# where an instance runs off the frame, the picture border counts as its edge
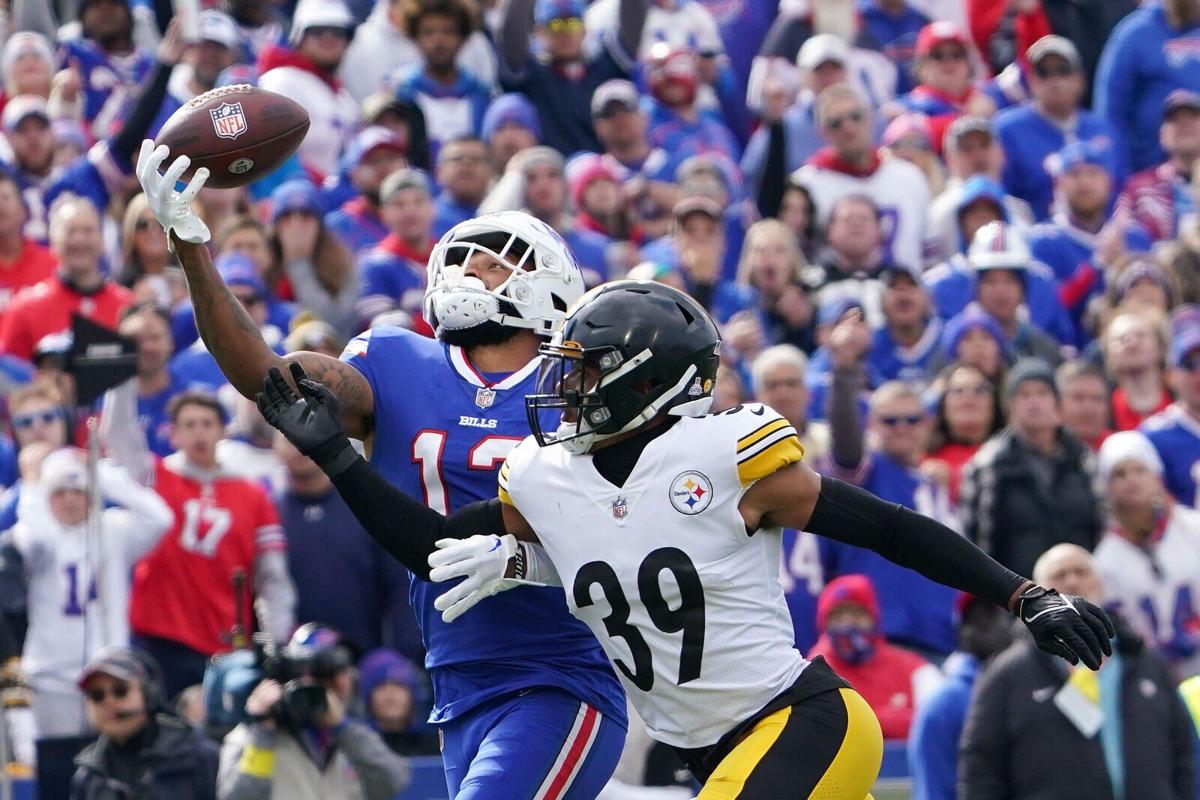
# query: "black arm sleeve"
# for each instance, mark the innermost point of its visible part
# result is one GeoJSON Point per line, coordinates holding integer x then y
{"type": "Point", "coordinates": [854, 516]}
{"type": "Point", "coordinates": [773, 179]}
{"type": "Point", "coordinates": [129, 138]}
{"type": "Point", "coordinates": [405, 528]}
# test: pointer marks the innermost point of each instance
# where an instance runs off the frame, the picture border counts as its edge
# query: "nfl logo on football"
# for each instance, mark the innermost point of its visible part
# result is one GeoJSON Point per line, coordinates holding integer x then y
{"type": "Point", "coordinates": [620, 508]}
{"type": "Point", "coordinates": [228, 120]}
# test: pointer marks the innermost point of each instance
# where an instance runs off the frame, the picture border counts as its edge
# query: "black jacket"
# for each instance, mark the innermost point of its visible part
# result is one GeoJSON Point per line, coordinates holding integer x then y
{"type": "Point", "coordinates": [1013, 517]}
{"type": "Point", "coordinates": [180, 764]}
{"type": "Point", "coordinates": [1017, 745]}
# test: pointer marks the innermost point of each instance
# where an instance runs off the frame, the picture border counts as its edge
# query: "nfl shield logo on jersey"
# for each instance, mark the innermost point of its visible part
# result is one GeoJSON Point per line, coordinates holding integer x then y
{"type": "Point", "coordinates": [691, 492]}
{"type": "Point", "coordinates": [228, 120]}
{"type": "Point", "coordinates": [620, 508]}
{"type": "Point", "coordinates": [484, 397]}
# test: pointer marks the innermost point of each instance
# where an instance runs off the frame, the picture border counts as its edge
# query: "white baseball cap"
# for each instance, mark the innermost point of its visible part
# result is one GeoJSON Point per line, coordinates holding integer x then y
{"type": "Point", "coordinates": [1125, 445]}
{"type": "Point", "coordinates": [821, 48]}
{"type": "Point", "coordinates": [217, 26]}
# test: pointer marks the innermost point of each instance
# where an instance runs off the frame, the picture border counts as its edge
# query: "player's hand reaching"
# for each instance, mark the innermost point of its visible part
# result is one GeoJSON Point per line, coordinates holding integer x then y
{"type": "Point", "coordinates": [172, 209]}
{"type": "Point", "coordinates": [311, 420]}
{"type": "Point", "coordinates": [484, 563]}
{"type": "Point", "coordinates": [1066, 625]}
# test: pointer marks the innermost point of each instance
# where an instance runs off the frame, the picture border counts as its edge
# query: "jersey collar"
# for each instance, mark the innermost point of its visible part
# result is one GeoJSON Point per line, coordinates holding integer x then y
{"type": "Point", "coordinates": [466, 370]}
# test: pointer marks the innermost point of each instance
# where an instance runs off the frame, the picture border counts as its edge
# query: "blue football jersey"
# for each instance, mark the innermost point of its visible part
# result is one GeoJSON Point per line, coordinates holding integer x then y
{"type": "Point", "coordinates": [442, 430]}
{"type": "Point", "coordinates": [1176, 437]}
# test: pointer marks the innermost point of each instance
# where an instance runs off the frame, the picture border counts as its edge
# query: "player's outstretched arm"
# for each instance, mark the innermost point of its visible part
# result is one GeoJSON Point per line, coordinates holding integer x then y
{"type": "Point", "coordinates": [406, 528]}
{"type": "Point", "coordinates": [227, 330]}
{"type": "Point", "coordinates": [796, 497]}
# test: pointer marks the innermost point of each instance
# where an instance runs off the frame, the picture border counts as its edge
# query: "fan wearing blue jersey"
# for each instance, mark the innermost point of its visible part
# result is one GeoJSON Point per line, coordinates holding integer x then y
{"type": "Point", "coordinates": [537, 711]}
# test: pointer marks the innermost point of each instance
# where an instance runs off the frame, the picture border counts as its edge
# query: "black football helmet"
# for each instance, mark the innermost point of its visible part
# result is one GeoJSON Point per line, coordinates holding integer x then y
{"type": "Point", "coordinates": [628, 352]}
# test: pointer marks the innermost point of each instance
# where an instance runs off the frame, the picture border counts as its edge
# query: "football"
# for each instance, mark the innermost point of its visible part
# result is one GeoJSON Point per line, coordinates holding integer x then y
{"type": "Point", "coordinates": [241, 133]}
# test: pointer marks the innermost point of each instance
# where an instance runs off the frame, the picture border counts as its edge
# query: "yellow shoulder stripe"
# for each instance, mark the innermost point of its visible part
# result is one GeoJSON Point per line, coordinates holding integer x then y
{"type": "Point", "coordinates": [759, 465]}
{"type": "Point", "coordinates": [504, 496]}
{"type": "Point", "coordinates": [761, 433]}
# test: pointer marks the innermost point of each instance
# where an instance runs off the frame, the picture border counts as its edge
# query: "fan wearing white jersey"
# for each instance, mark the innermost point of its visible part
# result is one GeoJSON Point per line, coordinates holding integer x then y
{"type": "Point", "coordinates": [662, 522]}
{"type": "Point", "coordinates": [78, 579]}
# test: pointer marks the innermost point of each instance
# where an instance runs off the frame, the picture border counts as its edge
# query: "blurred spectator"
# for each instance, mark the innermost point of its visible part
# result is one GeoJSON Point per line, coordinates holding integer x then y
{"type": "Point", "coordinates": [106, 64]}
{"type": "Point", "coordinates": [823, 62]}
{"type": "Point", "coordinates": [382, 44]}
{"type": "Point", "coordinates": [1138, 69]}
{"type": "Point", "coordinates": [375, 153]}
{"type": "Point", "coordinates": [262, 25]}
{"type": "Point", "coordinates": [323, 755]}
{"type": "Point", "coordinates": [391, 688]}
{"type": "Point", "coordinates": [1176, 431]}
{"type": "Point", "coordinates": [1150, 555]}
{"type": "Point", "coordinates": [144, 244]}
{"type": "Point", "coordinates": [195, 365]}
{"type": "Point", "coordinates": [464, 171]}
{"type": "Point", "coordinates": [26, 124]}
{"type": "Point", "coordinates": [1134, 354]}
{"type": "Point", "coordinates": [363, 592]}
{"type": "Point", "coordinates": [78, 575]}
{"type": "Point", "coordinates": [894, 25]}
{"type": "Point", "coordinates": [510, 125]}
{"type": "Point", "coordinates": [907, 137]}
{"type": "Point", "coordinates": [1001, 262]}
{"type": "Point", "coordinates": [973, 338]}
{"type": "Point", "coordinates": [77, 287]}
{"type": "Point", "coordinates": [393, 272]}
{"type": "Point", "coordinates": [1088, 24]}
{"type": "Point", "coordinates": [997, 245]}
{"type": "Point", "coordinates": [854, 260]}
{"type": "Point", "coordinates": [730, 390]}
{"type": "Point", "coordinates": [646, 173]}
{"type": "Point", "coordinates": [983, 631]}
{"type": "Point", "coordinates": [321, 30]}
{"type": "Point", "coordinates": [1084, 390]}
{"type": "Point", "coordinates": [1002, 32]}
{"type": "Point", "coordinates": [679, 24]}
{"type": "Point", "coordinates": [27, 65]}
{"type": "Point", "coordinates": [155, 384]}
{"type": "Point", "coordinates": [185, 599]}
{"type": "Point", "coordinates": [311, 266]}
{"type": "Point", "coordinates": [1159, 197]}
{"type": "Point", "coordinates": [851, 165]}
{"type": "Point", "coordinates": [945, 72]}
{"type": "Point", "coordinates": [452, 99]}
{"type": "Point", "coordinates": [1124, 727]}
{"type": "Point", "coordinates": [778, 379]}
{"type": "Point", "coordinates": [797, 211]}
{"type": "Point", "coordinates": [562, 80]}
{"type": "Point", "coordinates": [142, 747]}
{"type": "Point", "coordinates": [770, 267]}
{"type": "Point", "coordinates": [23, 262]}
{"type": "Point", "coordinates": [893, 681]}
{"type": "Point", "coordinates": [696, 248]}
{"type": "Point", "coordinates": [601, 205]}
{"type": "Point", "coordinates": [676, 122]}
{"type": "Point", "coordinates": [971, 150]}
{"type": "Point", "coordinates": [968, 413]}
{"type": "Point", "coordinates": [1053, 118]}
{"type": "Point", "coordinates": [189, 706]}
{"type": "Point", "coordinates": [218, 48]}
{"type": "Point", "coordinates": [1030, 486]}
{"type": "Point", "coordinates": [917, 612]}
{"type": "Point", "coordinates": [405, 120]}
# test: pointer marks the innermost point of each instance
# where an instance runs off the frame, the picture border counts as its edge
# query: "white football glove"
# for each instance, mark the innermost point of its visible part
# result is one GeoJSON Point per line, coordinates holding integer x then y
{"type": "Point", "coordinates": [482, 561]}
{"type": "Point", "coordinates": [172, 209]}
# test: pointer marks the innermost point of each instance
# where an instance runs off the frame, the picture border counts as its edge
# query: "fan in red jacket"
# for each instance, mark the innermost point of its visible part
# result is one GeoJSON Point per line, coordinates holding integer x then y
{"type": "Point", "coordinates": [893, 680]}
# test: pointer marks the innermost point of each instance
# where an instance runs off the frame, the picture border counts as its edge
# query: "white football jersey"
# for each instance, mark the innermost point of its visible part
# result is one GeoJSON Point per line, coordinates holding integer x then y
{"type": "Point", "coordinates": [687, 605]}
{"type": "Point", "coordinates": [1157, 589]}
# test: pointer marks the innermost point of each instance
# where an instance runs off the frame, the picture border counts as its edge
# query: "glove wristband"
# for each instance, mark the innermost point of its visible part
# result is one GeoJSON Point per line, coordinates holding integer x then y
{"type": "Point", "coordinates": [335, 463]}
{"type": "Point", "coordinates": [1035, 592]}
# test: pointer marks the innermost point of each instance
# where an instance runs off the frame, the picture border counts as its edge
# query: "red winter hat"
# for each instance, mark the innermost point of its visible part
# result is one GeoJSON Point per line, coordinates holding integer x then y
{"type": "Point", "coordinates": [856, 589]}
{"type": "Point", "coordinates": [583, 175]}
{"type": "Point", "coordinates": [936, 33]}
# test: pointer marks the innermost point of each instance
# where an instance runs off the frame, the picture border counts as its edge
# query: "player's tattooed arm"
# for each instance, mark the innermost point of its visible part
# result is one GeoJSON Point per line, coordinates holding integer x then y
{"type": "Point", "coordinates": [237, 344]}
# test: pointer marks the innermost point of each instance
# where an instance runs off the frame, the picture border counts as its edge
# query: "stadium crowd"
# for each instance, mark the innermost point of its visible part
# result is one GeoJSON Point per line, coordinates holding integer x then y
{"type": "Point", "coordinates": [956, 243]}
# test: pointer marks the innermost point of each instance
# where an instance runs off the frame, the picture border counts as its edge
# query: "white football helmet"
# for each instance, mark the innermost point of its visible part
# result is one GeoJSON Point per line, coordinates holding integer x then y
{"type": "Point", "coordinates": [544, 283]}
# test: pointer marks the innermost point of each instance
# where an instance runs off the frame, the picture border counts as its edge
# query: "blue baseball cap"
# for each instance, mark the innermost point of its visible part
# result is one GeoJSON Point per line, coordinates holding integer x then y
{"type": "Point", "coordinates": [511, 107]}
{"type": "Point", "coordinates": [981, 187]}
{"type": "Point", "coordinates": [236, 269]}
{"type": "Point", "coordinates": [547, 10]}
{"type": "Point", "coordinates": [296, 195]}
{"type": "Point", "coordinates": [1097, 152]}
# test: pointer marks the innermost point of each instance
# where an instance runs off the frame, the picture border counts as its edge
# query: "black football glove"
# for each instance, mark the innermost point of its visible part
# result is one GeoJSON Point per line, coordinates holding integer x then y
{"type": "Point", "coordinates": [1066, 625]}
{"type": "Point", "coordinates": [310, 420]}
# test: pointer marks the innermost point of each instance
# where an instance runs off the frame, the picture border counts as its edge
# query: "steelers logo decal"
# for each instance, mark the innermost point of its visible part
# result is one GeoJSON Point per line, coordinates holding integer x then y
{"type": "Point", "coordinates": [690, 492]}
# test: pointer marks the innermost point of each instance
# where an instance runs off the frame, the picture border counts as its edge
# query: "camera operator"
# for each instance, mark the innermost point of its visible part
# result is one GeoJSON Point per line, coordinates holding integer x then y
{"type": "Point", "coordinates": [299, 742]}
{"type": "Point", "coordinates": [143, 751]}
